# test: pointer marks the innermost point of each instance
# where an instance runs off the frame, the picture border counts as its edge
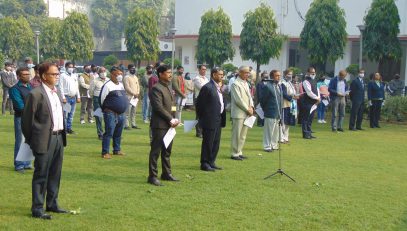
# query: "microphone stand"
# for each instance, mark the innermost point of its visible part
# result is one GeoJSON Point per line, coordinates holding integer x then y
{"type": "Point", "coordinates": [280, 169]}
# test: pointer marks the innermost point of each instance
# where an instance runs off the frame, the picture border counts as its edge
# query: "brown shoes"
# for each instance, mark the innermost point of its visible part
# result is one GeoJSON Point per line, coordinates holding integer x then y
{"type": "Point", "coordinates": [106, 156]}
{"type": "Point", "coordinates": [119, 153]}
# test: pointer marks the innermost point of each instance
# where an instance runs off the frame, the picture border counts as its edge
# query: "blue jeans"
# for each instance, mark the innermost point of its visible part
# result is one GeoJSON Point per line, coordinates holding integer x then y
{"type": "Point", "coordinates": [96, 105]}
{"type": "Point", "coordinates": [18, 165]}
{"type": "Point", "coordinates": [69, 115]}
{"type": "Point", "coordinates": [114, 124]}
{"type": "Point", "coordinates": [146, 107]}
{"type": "Point", "coordinates": [321, 111]}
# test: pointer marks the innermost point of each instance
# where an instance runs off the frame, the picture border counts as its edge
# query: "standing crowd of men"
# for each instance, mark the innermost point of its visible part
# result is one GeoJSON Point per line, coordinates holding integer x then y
{"type": "Point", "coordinates": [43, 100]}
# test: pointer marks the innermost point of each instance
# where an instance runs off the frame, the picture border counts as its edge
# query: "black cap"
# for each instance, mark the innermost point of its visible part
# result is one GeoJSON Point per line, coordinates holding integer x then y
{"type": "Point", "coordinates": [7, 64]}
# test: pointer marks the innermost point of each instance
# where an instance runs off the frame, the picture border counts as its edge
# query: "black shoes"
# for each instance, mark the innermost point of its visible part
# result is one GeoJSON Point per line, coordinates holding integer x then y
{"type": "Point", "coordinates": [207, 168]}
{"type": "Point", "coordinates": [42, 216]}
{"type": "Point", "coordinates": [168, 178]}
{"type": "Point", "coordinates": [340, 130]}
{"type": "Point", "coordinates": [135, 127]}
{"type": "Point", "coordinates": [216, 167]}
{"type": "Point", "coordinates": [236, 158]}
{"type": "Point", "coordinates": [70, 131]}
{"type": "Point", "coordinates": [352, 129]}
{"type": "Point", "coordinates": [199, 135]}
{"type": "Point", "coordinates": [361, 129]}
{"type": "Point", "coordinates": [56, 210]}
{"type": "Point", "coordinates": [154, 181]}
{"type": "Point", "coordinates": [333, 130]}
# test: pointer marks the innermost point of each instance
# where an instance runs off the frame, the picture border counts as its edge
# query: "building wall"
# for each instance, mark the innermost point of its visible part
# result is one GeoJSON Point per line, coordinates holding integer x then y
{"type": "Point", "coordinates": [61, 8]}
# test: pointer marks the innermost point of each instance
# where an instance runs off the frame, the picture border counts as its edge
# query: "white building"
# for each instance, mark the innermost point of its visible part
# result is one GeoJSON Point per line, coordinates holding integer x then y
{"type": "Point", "coordinates": [288, 14]}
{"type": "Point", "coordinates": [60, 8]}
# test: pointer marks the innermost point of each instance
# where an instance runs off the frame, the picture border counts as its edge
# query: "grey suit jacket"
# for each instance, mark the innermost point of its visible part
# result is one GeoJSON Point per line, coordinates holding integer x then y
{"type": "Point", "coordinates": [162, 101]}
{"type": "Point", "coordinates": [37, 121]}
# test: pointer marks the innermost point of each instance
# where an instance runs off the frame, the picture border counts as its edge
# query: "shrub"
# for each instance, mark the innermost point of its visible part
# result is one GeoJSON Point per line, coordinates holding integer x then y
{"type": "Point", "coordinates": [229, 67]}
{"type": "Point", "coordinates": [353, 69]}
{"type": "Point", "coordinates": [395, 109]}
{"type": "Point", "coordinates": [109, 61]}
{"type": "Point", "coordinates": [295, 70]}
{"type": "Point", "coordinates": [177, 62]}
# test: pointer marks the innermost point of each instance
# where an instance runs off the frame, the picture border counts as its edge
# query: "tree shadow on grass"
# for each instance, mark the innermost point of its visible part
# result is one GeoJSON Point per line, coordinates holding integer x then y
{"type": "Point", "coordinates": [403, 223]}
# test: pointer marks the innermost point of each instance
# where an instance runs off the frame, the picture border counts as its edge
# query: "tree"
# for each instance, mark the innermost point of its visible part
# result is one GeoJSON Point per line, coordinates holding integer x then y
{"type": "Point", "coordinates": [76, 38]}
{"type": "Point", "coordinates": [109, 61]}
{"type": "Point", "coordinates": [259, 40]}
{"type": "Point", "coordinates": [215, 38]}
{"type": "Point", "coordinates": [168, 61]}
{"type": "Point", "coordinates": [33, 10]}
{"type": "Point", "coordinates": [49, 43]}
{"type": "Point", "coordinates": [141, 34]}
{"type": "Point", "coordinates": [380, 41]}
{"type": "Point", "coordinates": [324, 34]}
{"type": "Point", "coordinates": [17, 38]}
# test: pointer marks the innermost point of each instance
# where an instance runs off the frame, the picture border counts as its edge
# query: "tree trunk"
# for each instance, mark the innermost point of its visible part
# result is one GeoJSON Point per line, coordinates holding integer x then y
{"type": "Point", "coordinates": [258, 79]}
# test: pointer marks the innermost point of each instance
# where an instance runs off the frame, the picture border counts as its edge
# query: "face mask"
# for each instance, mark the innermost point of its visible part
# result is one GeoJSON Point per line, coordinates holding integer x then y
{"type": "Point", "coordinates": [180, 73]}
{"type": "Point", "coordinates": [8, 68]}
{"type": "Point", "coordinates": [70, 70]}
{"type": "Point", "coordinates": [361, 75]}
{"type": "Point", "coordinates": [30, 65]}
{"type": "Point", "coordinates": [102, 75]}
{"type": "Point", "coordinates": [149, 72]}
{"type": "Point", "coordinates": [119, 78]}
{"type": "Point", "coordinates": [289, 77]}
{"type": "Point", "coordinates": [87, 71]}
{"type": "Point", "coordinates": [132, 72]}
{"type": "Point", "coordinates": [94, 70]}
{"type": "Point", "coordinates": [312, 76]}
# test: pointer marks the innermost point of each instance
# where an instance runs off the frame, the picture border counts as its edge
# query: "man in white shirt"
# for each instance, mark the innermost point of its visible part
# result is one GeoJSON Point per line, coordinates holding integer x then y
{"type": "Point", "coordinates": [199, 81]}
{"type": "Point", "coordinates": [309, 101]}
{"type": "Point", "coordinates": [94, 90]}
{"type": "Point", "coordinates": [69, 88]}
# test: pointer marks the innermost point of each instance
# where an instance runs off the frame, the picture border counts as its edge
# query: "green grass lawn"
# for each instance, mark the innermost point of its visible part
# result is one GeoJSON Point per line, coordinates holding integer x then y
{"type": "Point", "coordinates": [345, 181]}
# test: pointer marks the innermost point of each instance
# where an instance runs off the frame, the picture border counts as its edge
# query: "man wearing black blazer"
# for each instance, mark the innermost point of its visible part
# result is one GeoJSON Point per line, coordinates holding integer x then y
{"type": "Point", "coordinates": [43, 129]}
{"type": "Point", "coordinates": [211, 117]}
{"type": "Point", "coordinates": [357, 96]}
{"type": "Point", "coordinates": [162, 119]}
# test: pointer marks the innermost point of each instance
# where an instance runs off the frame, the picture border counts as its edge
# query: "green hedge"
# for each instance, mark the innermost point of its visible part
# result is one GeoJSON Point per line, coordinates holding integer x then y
{"type": "Point", "coordinates": [395, 109]}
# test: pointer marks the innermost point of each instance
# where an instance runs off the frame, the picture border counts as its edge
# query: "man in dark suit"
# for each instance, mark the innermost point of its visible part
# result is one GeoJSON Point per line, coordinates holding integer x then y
{"type": "Point", "coordinates": [43, 129]}
{"type": "Point", "coordinates": [162, 119]}
{"type": "Point", "coordinates": [212, 117]}
{"type": "Point", "coordinates": [357, 96]}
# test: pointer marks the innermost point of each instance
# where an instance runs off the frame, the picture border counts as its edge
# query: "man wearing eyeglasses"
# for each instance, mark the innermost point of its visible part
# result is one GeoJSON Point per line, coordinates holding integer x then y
{"type": "Point", "coordinates": [199, 81]}
{"type": "Point", "coordinates": [18, 93]}
{"type": "Point", "coordinates": [43, 129]}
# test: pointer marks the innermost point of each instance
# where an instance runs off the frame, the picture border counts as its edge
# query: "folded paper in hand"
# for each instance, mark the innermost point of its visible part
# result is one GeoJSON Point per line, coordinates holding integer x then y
{"type": "Point", "coordinates": [249, 121]}
{"type": "Point", "coordinates": [169, 137]}
{"type": "Point", "coordinates": [134, 101]}
{"type": "Point", "coordinates": [67, 107]}
{"type": "Point", "coordinates": [313, 108]}
{"type": "Point", "coordinates": [24, 153]}
{"type": "Point", "coordinates": [189, 125]}
{"type": "Point", "coordinates": [260, 112]}
{"type": "Point", "coordinates": [98, 113]}
{"type": "Point", "coordinates": [325, 102]}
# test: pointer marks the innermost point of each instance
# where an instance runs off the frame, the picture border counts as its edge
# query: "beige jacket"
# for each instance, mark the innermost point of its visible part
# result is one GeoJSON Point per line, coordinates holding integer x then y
{"type": "Point", "coordinates": [241, 99]}
{"type": "Point", "coordinates": [131, 85]}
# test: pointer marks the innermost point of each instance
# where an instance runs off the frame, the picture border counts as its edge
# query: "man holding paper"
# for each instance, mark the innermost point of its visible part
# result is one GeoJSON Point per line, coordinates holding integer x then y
{"type": "Point", "coordinates": [210, 108]}
{"type": "Point", "coordinates": [309, 102]}
{"type": "Point", "coordinates": [132, 87]}
{"type": "Point", "coordinates": [270, 100]}
{"type": "Point", "coordinates": [242, 107]}
{"type": "Point", "coordinates": [338, 90]}
{"type": "Point", "coordinates": [162, 119]}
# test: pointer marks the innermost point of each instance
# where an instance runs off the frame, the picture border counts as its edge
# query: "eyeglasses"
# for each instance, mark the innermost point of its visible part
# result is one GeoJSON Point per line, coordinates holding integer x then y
{"type": "Point", "coordinates": [52, 74]}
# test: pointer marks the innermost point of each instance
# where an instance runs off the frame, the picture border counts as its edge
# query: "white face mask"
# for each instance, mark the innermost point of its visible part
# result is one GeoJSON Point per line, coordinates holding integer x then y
{"type": "Point", "coordinates": [119, 78]}
{"type": "Point", "coordinates": [312, 76]}
{"type": "Point", "coordinates": [362, 75]}
{"type": "Point", "coordinates": [289, 77]}
{"type": "Point", "coordinates": [102, 75]}
{"type": "Point", "coordinates": [30, 65]}
{"type": "Point", "coordinates": [70, 70]}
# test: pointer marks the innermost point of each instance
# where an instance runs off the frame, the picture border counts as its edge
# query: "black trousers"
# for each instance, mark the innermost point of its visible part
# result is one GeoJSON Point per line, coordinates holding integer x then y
{"type": "Point", "coordinates": [210, 146]}
{"type": "Point", "coordinates": [307, 118]}
{"type": "Point", "coordinates": [198, 127]}
{"type": "Point", "coordinates": [356, 115]}
{"type": "Point", "coordinates": [47, 175]}
{"type": "Point", "coordinates": [157, 147]}
{"type": "Point", "coordinates": [375, 110]}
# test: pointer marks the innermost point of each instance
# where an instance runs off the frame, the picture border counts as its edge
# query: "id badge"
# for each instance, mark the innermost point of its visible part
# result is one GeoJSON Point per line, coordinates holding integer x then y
{"type": "Point", "coordinates": [173, 108]}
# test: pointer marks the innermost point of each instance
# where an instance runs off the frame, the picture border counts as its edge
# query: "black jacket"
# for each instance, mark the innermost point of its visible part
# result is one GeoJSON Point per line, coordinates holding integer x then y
{"type": "Point", "coordinates": [208, 107]}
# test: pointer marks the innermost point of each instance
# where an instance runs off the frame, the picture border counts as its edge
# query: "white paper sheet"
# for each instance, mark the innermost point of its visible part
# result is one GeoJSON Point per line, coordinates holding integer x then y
{"type": "Point", "coordinates": [313, 108]}
{"type": "Point", "coordinates": [24, 153]}
{"type": "Point", "coordinates": [183, 101]}
{"type": "Point", "coordinates": [189, 125]}
{"type": "Point", "coordinates": [249, 121]}
{"type": "Point", "coordinates": [98, 112]}
{"type": "Point", "coordinates": [325, 102]}
{"type": "Point", "coordinates": [169, 137]}
{"type": "Point", "coordinates": [134, 101]}
{"type": "Point", "coordinates": [260, 112]}
{"type": "Point", "coordinates": [67, 107]}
